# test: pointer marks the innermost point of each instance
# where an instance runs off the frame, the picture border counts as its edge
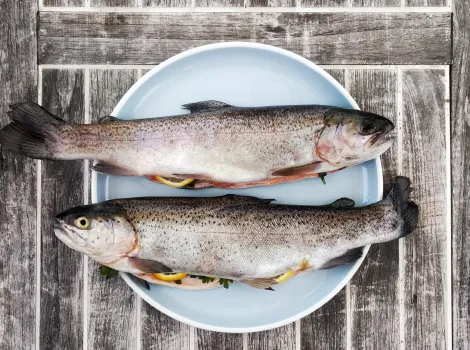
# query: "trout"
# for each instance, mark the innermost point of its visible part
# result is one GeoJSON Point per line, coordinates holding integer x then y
{"type": "Point", "coordinates": [240, 238]}
{"type": "Point", "coordinates": [216, 145]}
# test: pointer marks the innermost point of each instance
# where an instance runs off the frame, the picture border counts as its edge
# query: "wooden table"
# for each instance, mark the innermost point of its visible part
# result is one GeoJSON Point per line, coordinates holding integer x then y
{"type": "Point", "coordinates": [408, 60]}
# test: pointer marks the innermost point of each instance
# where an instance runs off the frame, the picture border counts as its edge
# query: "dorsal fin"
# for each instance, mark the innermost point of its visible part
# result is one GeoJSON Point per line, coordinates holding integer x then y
{"type": "Point", "coordinates": [206, 106]}
{"type": "Point", "coordinates": [247, 199]}
{"type": "Point", "coordinates": [342, 203]}
{"type": "Point", "coordinates": [108, 119]}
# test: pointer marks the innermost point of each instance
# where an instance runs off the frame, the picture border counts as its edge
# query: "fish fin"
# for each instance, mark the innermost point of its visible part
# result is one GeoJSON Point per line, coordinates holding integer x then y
{"type": "Point", "coordinates": [206, 106]}
{"type": "Point", "coordinates": [399, 196]}
{"type": "Point", "coordinates": [108, 119]}
{"type": "Point", "coordinates": [260, 283]}
{"type": "Point", "coordinates": [269, 289]}
{"type": "Point", "coordinates": [248, 199]}
{"type": "Point", "coordinates": [148, 266]}
{"type": "Point", "coordinates": [32, 132]}
{"type": "Point", "coordinates": [347, 258]}
{"type": "Point", "coordinates": [298, 170]}
{"type": "Point", "coordinates": [111, 169]}
{"type": "Point", "coordinates": [342, 203]}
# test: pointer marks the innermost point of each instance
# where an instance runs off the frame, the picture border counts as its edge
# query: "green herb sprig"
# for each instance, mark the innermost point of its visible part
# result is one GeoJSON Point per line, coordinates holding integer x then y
{"type": "Point", "coordinates": [322, 177]}
{"type": "Point", "coordinates": [108, 272]}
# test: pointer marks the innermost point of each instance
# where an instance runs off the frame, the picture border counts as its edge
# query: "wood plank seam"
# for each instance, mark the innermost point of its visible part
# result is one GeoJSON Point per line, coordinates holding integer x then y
{"type": "Point", "coordinates": [298, 339]}
{"type": "Point", "coordinates": [323, 66]}
{"type": "Point", "coordinates": [247, 9]}
{"type": "Point", "coordinates": [401, 271]}
{"type": "Point", "coordinates": [38, 229]}
{"type": "Point", "coordinates": [86, 189]}
{"type": "Point", "coordinates": [448, 290]}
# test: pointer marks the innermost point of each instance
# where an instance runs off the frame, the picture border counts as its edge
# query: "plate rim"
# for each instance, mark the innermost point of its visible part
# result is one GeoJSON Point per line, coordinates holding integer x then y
{"type": "Point", "coordinates": [138, 289]}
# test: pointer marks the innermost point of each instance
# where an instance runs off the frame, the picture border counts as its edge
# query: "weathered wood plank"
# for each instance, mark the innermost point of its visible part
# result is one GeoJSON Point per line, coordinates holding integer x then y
{"type": "Point", "coordinates": [166, 3]}
{"type": "Point", "coordinates": [424, 3]}
{"type": "Point", "coordinates": [425, 250]}
{"type": "Point", "coordinates": [326, 328]}
{"type": "Point", "coordinates": [323, 3]}
{"type": "Point", "coordinates": [62, 188]}
{"type": "Point", "coordinates": [218, 341]}
{"type": "Point", "coordinates": [113, 3]}
{"type": "Point", "coordinates": [18, 78]}
{"type": "Point", "coordinates": [160, 332]}
{"type": "Point", "coordinates": [376, 3]}
{"type": "Point", "coordinates": [112, 303]}
{"type": "Point", "coordinates": [374, 292]}
{"type": "Point", "coordinates": [271, 3]}
{"type": "Point", "coordinates": [326, 38]}
{"type": "Point", "coordinates": [60, 3]}
{"type": "Point", "coordinates": [460, 154]}
{"type": "Point", "coordinates": [219, 3]}
{"type": "Point", "coordinates": [282, 338]}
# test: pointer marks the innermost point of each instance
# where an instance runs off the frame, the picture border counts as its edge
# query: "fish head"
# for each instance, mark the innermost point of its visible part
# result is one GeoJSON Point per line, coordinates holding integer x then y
{"type": "Point", "coordinates": [102, 231]}
{"type": "Point", "coordinates": [350, 137]}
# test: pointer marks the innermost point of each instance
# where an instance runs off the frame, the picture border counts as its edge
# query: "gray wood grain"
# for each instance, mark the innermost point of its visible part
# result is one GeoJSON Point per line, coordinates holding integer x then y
{"type": "Point", "coordinates": [425, 250]}
{"type": "Point", "coordinates": [113, 3]}
{"type": "Point", "coordinates": [424, 3]}
{"type": "Point", "coordinates": [60, 3]}
{"type": "Point", "coordinates": [160, 332]}
{"type": "Point", "coordinates": [62, 188]}
{"type": "Point", "coordinates": [271, 3]}
{"type": "Point", "coordinates": [112, 303]}
{"type": "Point", "coordinates": [323, 3]}
{"type": "Point", "coordinates": [166, 3]}
{"type": "Point", "coordinates": [326, 38]}
{"type": "Point", "coordinates": [218, 341]}
{"type": "Point", "coordinates": [326, 328]}
{"type": "Point", "coordinates": [18, 79]}
{"type": "Point", "coordinates": [282, 338]}
{"type": "Point", "coordinates": [376, 3]}
{"type": "Point", "coordinates": [460, 167]}
{"type": "Point", "coordinates": [219, 3]}
{"type": "Point", "coordinates": [374, 292]}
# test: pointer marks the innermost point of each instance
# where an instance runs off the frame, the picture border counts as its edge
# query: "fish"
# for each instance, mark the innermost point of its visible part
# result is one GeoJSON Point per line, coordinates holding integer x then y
{"type": "Point", "coordinates": [231, 237]}
{"type": "Point", "coordinates": [216, 145]}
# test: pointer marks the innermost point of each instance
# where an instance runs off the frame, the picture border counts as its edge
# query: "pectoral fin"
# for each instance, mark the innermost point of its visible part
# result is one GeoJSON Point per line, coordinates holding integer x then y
{"type": "Point", "coordinates": [343, 203]}
{"type": "Point", "coordinates": [298, 170]}
{"type": "Point", "coordinates": [348, 258]}
{"type": "Point", "coordinates": [148, 266]}
{"type": "Point", "coordinates": [206, 106]}
{"type": "Point", "coordinates": [111, 169]}
{"type": "Point", "coordinates": [261, 283]}
{"type": "Point", "coordinates": [108, 119]}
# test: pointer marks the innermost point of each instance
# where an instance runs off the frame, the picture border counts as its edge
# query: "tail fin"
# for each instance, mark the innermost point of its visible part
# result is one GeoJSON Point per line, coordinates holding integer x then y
{"type": "Point", "coordinates": [32, 131]}
{"type": "Point", "coordinates": [399, 195]}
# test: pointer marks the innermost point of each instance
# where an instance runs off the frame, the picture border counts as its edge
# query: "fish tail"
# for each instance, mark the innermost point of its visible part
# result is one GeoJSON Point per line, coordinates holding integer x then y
{"type": "Point", "coordinates": [33, 131]}
{"type": "Point", "coordinates": [399, 196]}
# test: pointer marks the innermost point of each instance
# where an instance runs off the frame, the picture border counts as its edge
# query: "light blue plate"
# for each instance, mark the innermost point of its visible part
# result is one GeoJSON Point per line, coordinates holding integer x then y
{"type": "Point", "coordinates": [242, 74]}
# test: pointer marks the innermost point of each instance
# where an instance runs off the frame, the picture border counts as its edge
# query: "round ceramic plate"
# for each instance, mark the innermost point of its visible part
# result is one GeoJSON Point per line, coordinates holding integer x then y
{"type": "Point", "coordinates": [242, 74]}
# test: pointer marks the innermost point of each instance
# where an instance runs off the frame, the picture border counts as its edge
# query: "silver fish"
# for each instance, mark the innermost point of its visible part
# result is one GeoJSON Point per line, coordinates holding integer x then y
{"type": "Point", "coordinates": [236, 237]}
{"type": "Point", "coordinates": [217, 144]}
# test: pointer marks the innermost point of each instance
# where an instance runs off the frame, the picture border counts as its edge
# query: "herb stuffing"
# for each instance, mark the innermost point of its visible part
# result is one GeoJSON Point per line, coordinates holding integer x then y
{"type": "Point", "coordinates": [108, 272]}
{"type": "Point", "coordinates": [322, 177]}
{"type": "Point", "coordinates": [225, 282]}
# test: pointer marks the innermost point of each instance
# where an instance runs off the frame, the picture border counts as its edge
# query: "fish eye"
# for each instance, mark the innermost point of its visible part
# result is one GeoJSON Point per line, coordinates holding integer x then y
{"type": "Point", "coordinates": [367, 127]}
{"type": "Point", "coordinates": [82, 223]}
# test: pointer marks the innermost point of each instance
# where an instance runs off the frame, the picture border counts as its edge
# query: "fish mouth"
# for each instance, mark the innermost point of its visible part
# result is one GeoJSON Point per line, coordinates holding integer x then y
{"type": "Point", "coordinates": [66, 235]}
{"type": "Point", "coordinates": [383, 139]}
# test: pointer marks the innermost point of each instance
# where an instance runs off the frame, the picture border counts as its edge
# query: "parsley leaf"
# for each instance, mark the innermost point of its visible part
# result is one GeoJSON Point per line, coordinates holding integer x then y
{"type": "Point", "coordinates": [322, 177]}
{"type": "Point", "coordinates": [225, 282]}
{"type": "Point", "coordinates": [204, 279]}
{"type": "Point", "coordinates": [177, 281]}
{"type": "Point", "coordinates": [108, 272]}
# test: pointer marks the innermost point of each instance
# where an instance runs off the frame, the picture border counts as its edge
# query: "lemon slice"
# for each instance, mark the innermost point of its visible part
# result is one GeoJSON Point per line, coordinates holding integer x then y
{"type": "Point", "coordinates": [170, 276]}
{"type": "Point", "coordinates": [173, 181]}
{"type": "Point", "coordinates": [283, 277]}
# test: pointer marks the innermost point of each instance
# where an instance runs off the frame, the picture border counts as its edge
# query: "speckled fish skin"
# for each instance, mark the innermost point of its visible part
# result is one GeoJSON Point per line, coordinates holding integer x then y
{"type": "Point", "coordinates": [241, 237]}
{"type": "Point", "coordinates": [226, 145]}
